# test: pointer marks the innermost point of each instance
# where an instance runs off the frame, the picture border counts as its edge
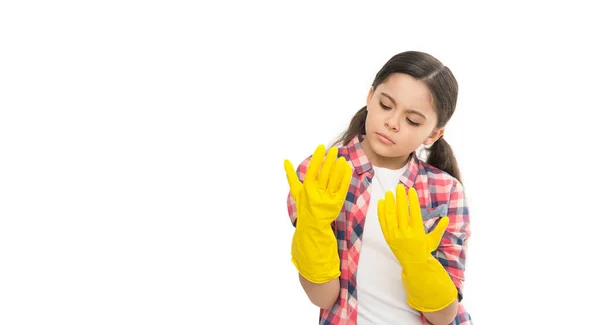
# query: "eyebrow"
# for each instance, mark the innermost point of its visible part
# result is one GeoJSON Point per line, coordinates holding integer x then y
{"type": "Point", "coordinates": [409, 110]}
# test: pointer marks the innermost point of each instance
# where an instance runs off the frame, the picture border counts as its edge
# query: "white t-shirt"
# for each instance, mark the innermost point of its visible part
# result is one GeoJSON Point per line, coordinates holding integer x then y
{"type": "Point", "coordinates": [381, 294]}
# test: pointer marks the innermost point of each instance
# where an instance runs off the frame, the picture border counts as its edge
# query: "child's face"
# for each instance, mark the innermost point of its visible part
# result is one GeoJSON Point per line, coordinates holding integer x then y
{"type": "Point", "coordinates": [407, 117]}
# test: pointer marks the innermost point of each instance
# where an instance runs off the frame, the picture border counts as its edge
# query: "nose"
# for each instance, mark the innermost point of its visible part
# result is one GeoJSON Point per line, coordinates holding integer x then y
{"type": "Point", "coordinates": [392, 124]}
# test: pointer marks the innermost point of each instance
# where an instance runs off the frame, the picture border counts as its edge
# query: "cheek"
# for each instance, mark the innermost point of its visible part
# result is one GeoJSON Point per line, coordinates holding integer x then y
{"type": "Point", "coordinates": [411, 137]}
{"type": "Point", "coordinates": [373, 123]}
{"type": "Point", "coordinates": [367, 127]}
{"type": "Point", "coordinates": [368, 121]}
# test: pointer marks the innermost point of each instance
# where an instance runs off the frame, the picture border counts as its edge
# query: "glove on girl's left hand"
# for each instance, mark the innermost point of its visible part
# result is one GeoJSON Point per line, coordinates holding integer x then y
{"type": "Point", "coordinates": [427, 284]}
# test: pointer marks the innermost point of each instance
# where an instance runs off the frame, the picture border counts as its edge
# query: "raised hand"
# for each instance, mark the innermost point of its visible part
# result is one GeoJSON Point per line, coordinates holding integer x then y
{"type": "Point", "coordinates": [428, 285]}
{"type": "Point", "coordinates": [325, 186]}
{"type": "Point", "coordinates": [402, 227]}
{"type": "Point", "coordinates": [319, 200]}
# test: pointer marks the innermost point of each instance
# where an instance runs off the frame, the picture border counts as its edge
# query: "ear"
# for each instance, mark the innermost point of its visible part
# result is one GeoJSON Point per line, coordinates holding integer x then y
{"type": "Point", "coordinates": [434, 136]}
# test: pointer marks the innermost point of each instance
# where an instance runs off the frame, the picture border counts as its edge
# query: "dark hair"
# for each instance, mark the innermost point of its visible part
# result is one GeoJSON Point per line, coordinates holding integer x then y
{"type": "Point", "coordinates": [444, 90]}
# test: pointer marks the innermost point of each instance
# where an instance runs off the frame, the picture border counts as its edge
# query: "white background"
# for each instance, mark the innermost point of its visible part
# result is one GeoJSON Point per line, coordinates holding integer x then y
{"type": "Point", "coordinates": [142, 147]}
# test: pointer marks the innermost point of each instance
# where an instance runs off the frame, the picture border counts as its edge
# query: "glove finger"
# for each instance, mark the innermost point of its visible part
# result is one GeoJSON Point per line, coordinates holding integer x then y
{"type": "Point", "coordinates": [435, 236]}
{"type": "Point", "coordinates": [402, 208]}
{"type": "Point", "coordinates": [337, 175]}
{"type": "Point", "coordinates": [416, 220]}
{"type": "Point", "coordinates": [325, 173]}
{"type": "Point", "coordinates": [382, 218]}
{"type": "Point", "coordinates": [314, 165]}
{"type": "Point", "coordinates": [342, 191]}
{"type": "Point", "coordinates": [292, 178]}
{"type": "Point", "coordinates": [391, 214]}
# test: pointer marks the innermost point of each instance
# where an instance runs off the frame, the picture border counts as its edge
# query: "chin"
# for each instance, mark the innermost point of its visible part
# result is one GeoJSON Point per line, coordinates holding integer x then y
{"type": "Point", "coordinates": [386, 151]}
{"type": "Point", "coordinates": [381, 149]}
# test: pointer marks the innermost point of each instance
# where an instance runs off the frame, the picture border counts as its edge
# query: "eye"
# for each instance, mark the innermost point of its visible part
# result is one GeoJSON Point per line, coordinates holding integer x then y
{"type": "Point", "coordinates": [412, 122]}
{"type": "Point", "coordinates": [384, 107]}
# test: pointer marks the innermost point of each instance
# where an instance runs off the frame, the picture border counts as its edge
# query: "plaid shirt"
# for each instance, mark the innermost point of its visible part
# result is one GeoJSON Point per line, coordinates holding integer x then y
{"type": "Point", "coordinates": [439, 194]}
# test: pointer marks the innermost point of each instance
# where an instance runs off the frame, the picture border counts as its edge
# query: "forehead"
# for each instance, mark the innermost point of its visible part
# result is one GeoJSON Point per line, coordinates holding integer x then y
{"type": "Point", "coordinates": [408, 92]}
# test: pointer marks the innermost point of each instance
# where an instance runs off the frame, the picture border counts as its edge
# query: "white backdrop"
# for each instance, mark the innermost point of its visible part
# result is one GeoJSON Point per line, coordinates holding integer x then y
{"type": "Point", "coordinates": [142, 147]}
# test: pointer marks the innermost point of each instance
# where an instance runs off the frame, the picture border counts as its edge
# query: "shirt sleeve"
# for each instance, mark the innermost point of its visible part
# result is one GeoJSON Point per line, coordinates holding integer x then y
{"type": "Point", "coordinates": [291, 205]}
{"type": "Point", "coordinates": [453, 247]}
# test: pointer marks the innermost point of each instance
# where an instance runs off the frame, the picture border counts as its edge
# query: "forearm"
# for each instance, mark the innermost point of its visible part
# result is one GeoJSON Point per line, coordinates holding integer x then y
{"type": "Point", "coordinates": [322, 295]}
{"type": "Point", "coordinates": [444, 316]}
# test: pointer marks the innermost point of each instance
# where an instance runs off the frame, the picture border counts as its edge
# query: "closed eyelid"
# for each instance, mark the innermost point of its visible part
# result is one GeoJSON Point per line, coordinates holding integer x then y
{"type": "Point", "coordinates": [384, 106]}
{"type": "Point", "coordinates": [409, 111]}
{"type": "Point", "coordinates": [412, 111]}
{"type": "Point", "coordinates": [389, 98]}
{"type": "Point", "coordinates": [411, 122]}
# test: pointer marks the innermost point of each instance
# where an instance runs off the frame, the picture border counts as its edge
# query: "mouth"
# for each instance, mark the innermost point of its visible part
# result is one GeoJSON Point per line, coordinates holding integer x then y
{"type": "Point", "coordinates": [385, 138]}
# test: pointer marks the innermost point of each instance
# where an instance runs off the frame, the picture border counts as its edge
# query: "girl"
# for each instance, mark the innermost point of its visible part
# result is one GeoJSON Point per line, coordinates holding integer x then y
{"type": "Point", "coordinates": [380, 235]}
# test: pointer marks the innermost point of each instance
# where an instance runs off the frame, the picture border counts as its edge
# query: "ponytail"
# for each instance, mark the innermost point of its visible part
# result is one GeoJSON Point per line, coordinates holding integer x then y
{"type": "Point", "coordinates": [440, 155]}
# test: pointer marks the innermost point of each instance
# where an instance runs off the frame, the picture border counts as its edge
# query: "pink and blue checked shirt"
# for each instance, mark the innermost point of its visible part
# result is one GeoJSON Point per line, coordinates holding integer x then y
{"type": "Point", "coordinates": [440, 195]}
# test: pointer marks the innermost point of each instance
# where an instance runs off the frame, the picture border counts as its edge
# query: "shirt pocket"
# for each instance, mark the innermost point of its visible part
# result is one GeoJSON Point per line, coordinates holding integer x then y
{"type": "Point", "coordinates": [431, 216]}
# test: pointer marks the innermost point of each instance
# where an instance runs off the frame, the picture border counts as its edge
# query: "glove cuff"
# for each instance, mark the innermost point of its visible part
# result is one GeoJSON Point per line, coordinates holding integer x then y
{"type": "Point", "coordinates": [428, 286]}
{"type": "Point", "coordinates": [315, 255]}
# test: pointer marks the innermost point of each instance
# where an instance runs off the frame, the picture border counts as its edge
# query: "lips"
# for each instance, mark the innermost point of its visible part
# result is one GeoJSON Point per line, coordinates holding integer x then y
{"type": "Point", "coordinates": [385, 137]}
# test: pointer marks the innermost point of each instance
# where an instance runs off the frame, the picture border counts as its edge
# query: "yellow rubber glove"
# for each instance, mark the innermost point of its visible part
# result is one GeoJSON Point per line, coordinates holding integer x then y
{"type": "Point", "coordinates": [319, 201]}
{"type": "Point", "coordinates": [427, 284]}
